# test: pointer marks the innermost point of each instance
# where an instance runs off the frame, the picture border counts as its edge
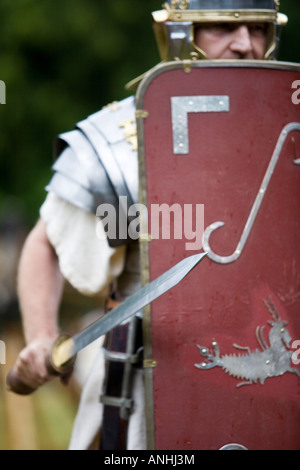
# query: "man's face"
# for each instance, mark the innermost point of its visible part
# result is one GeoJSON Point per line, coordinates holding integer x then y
{"type": "Point", "coordinates": [232, 41]}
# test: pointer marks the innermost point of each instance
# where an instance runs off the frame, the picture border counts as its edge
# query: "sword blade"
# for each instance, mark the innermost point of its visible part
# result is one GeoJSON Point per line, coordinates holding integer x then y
{"type": "Point", "coordinates": [127, 309]}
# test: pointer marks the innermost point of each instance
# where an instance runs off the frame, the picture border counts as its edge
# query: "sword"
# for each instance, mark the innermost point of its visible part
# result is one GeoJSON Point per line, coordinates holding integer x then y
{"type": "Point", "coordinates": [63, 353]}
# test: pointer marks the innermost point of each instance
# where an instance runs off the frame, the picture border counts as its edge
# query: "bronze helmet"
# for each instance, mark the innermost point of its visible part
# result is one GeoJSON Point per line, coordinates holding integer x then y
{"type": "Point", "coordinates": [174, 25]}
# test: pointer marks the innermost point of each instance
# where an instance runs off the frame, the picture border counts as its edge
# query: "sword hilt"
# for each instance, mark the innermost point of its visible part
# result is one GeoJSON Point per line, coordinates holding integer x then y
{"type": "Point", "coordinates": [59, 362]}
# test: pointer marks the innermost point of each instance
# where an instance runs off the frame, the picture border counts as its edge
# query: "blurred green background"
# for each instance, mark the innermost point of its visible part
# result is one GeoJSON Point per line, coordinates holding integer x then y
{"type": "Point", "coordinates": [61, 60]}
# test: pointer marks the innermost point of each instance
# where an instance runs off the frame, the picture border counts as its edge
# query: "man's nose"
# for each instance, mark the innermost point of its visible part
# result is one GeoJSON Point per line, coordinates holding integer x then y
{"type": "Point", "coordinates": [241, 42]}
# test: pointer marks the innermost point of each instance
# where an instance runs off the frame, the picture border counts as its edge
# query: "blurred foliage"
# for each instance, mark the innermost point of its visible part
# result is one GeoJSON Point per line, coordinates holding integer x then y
{"type": "Point", "coordinates": [62, 60]}
{"type": "Point", "coordinates": [290, 39]}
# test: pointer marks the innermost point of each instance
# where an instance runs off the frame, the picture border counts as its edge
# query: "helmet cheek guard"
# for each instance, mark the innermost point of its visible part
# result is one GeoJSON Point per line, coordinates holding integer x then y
{"type": "Point", "coordinates": [174, 26]}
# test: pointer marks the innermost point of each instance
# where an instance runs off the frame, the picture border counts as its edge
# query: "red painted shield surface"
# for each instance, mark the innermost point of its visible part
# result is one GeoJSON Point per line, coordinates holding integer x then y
{"type": "Point", "coordinates": [222, 349]}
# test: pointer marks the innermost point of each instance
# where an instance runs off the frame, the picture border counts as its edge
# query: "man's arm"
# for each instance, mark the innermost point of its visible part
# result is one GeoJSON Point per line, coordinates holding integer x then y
{"type": "Point", "coordinates": [40, 286]}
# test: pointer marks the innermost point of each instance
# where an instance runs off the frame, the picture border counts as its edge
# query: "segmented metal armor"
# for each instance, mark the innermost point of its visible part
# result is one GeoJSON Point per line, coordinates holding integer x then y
{"type": "Point", "coordinates": [98, 160]}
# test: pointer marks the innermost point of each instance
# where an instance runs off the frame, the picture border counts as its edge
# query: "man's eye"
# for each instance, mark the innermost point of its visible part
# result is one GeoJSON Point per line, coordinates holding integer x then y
{"type": "Point", "coordinates": [258, 29]}
{"type": "Point", "coordinates": [220, 28]}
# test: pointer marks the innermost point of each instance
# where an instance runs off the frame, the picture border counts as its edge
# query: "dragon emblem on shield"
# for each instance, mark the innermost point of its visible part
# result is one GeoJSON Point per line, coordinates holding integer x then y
{"type": "Point", "coordinates": [272, 361]}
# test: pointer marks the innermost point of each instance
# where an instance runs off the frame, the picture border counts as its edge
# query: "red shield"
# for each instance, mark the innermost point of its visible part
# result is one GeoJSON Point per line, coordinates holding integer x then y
{"type": "Point", "coordinates": [222, 349]}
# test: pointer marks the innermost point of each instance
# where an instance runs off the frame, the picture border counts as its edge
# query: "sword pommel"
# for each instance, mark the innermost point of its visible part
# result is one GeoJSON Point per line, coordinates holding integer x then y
{"type": "Point", "coordinates": [14, 384]}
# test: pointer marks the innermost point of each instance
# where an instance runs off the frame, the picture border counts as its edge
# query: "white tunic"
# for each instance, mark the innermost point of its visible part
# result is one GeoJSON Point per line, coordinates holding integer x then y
{"type": "Point", "coordinates": [90, 265]}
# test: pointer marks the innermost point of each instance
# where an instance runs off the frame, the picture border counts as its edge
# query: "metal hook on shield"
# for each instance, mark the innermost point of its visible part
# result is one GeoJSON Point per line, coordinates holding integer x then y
{"type": "Point", "coordinates": [256, 206]}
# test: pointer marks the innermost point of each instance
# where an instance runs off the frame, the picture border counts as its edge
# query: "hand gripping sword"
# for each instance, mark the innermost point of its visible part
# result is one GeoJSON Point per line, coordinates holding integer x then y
{"type": "Point", "coordinates": [62, 355]}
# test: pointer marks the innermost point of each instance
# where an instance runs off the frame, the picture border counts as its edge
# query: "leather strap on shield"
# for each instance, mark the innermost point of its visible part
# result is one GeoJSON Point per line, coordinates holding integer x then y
{"type": "Point", "coordinates": [122, 348]}
{"type": "Point", "coordinates": [114, 429]}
